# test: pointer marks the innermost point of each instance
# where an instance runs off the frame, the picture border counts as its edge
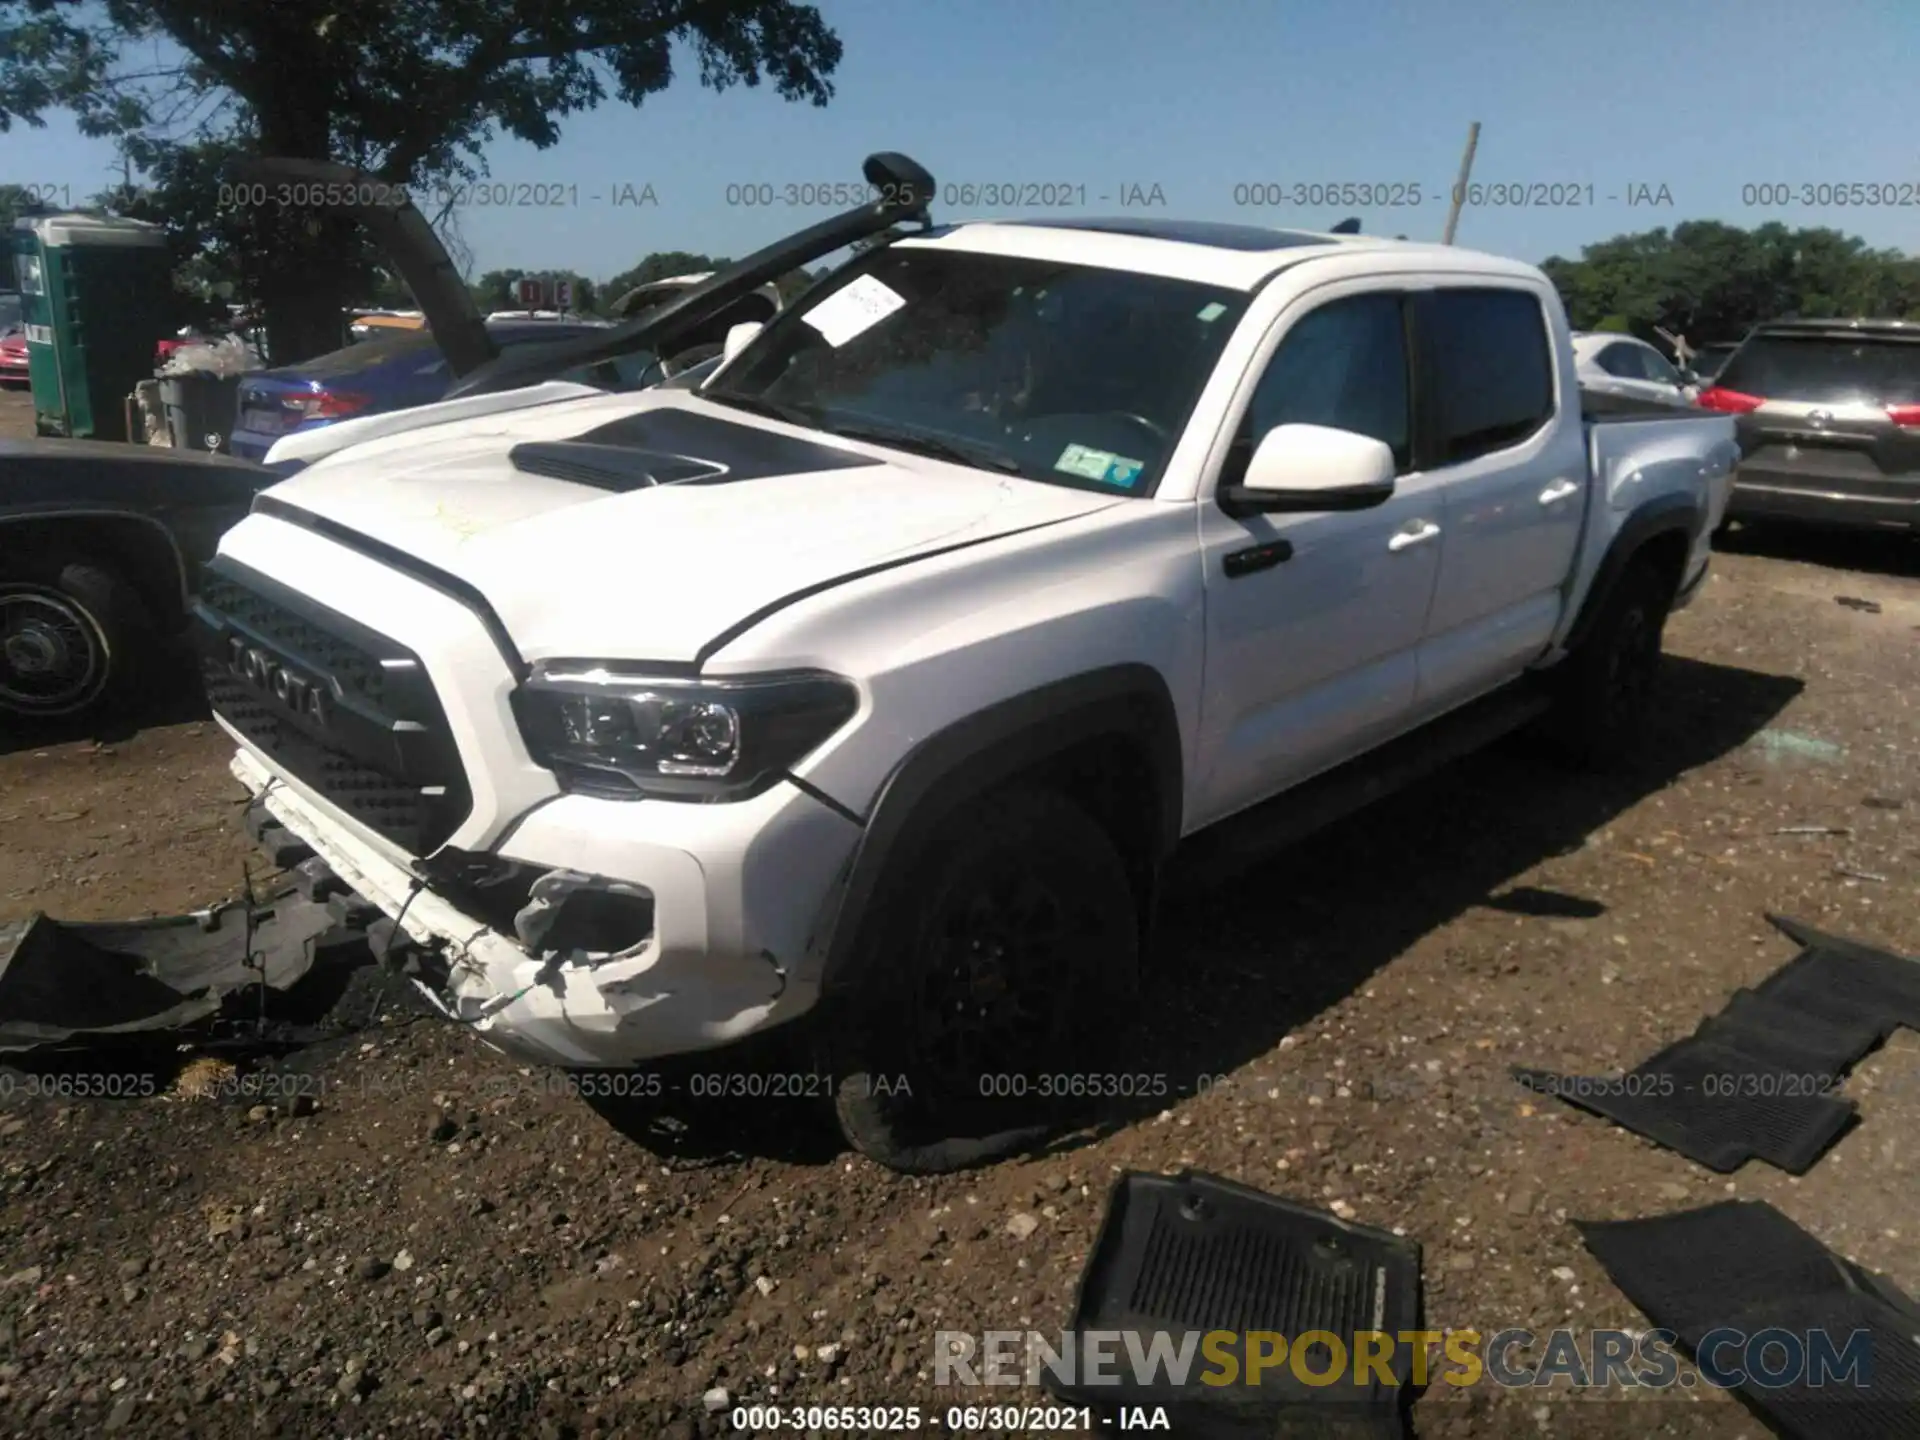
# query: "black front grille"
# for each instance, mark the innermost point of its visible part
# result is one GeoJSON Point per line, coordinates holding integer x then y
{"type": "Point", "coordinates": [370, 736]}
{"type": "Point", "coordinates": [292, 633]}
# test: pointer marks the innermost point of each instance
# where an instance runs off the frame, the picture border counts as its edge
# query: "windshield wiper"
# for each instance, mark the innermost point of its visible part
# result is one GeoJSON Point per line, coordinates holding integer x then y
{"type": "Point", "coordinates": [760, 405]}
{"type": "Point", "coordinates": [983, 457]}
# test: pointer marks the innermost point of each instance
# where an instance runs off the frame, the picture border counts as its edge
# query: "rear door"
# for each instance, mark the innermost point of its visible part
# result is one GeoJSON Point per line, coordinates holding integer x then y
{"type": "Point", "coordinates": [1834, 413]}
{"type": "Point", "coordinates": [1512, 469]}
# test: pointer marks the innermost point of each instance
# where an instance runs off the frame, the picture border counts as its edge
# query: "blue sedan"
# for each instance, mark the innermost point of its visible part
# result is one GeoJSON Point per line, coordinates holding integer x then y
{"type": "Point", "coordinates": [393, 371]}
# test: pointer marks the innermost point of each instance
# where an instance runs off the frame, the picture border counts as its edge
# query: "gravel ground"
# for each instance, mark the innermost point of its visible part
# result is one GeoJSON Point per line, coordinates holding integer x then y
{"type": "Point", "coordinates": [448, 1244]}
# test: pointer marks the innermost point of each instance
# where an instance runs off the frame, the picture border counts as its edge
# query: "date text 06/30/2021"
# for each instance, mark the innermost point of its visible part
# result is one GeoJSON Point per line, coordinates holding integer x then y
{"type": "Point", "coordinates": [1044, 1419]}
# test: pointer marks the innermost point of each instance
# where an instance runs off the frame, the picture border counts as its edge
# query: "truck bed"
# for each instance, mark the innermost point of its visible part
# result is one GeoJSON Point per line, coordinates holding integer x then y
{"type": "Point", "coordinates": [1598, 407]}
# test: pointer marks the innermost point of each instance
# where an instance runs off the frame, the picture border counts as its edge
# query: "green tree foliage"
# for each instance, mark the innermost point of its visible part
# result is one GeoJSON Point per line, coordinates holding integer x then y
{"type": "Point", "coordinates": [1711, 282]}
{"type": "Point", "coordinates": [15, 201]}
{"type": "Point", "coordinates": [409, 92]}
{"type": "Point", "coordinates": [661, 265]}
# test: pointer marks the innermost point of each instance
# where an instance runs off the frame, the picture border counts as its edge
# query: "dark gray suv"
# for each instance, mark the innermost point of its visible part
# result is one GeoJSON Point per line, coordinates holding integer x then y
{"type": "Point", "coordinates": [1829, 422]}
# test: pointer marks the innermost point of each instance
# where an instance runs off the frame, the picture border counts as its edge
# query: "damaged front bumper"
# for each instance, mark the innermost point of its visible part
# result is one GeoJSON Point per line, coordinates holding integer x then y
{"type": "Point", "coordinates": [623, 947]}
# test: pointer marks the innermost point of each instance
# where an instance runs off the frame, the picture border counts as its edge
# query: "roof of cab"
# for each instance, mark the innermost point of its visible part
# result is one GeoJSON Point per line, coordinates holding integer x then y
{"type": "Point", "coordinates": [1232, 256]}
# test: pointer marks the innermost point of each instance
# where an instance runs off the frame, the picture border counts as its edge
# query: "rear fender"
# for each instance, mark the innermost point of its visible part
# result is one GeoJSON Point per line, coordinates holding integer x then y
{"type": "Point", "coordinates": [1674, 515]}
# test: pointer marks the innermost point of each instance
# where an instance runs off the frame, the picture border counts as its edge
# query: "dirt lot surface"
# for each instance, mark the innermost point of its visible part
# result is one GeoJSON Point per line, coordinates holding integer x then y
{"type": "Point", "coordinates": [449, 1244]}
{"type": "Point", "coordinates": [16, 413]}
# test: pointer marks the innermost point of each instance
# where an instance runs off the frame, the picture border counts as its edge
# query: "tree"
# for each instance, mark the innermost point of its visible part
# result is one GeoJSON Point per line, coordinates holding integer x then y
{"type": "Point", "coordinates": [410, 93]}
{"type": "Point", "coordinates": [1707, 281]}
{"type": "Point", "coordinates": [16, 201]}
{"type": "Point", "coordinates": [661, 265]}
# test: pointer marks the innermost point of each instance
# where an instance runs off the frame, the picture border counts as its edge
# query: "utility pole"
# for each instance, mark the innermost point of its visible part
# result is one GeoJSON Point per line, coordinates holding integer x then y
{"type": "Point", "coordinates": [1460, 185]}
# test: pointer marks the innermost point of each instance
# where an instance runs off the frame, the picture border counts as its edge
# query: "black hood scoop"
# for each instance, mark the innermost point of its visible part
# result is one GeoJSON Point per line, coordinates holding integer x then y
{"type": "Point", "coordinates": [671, 446]}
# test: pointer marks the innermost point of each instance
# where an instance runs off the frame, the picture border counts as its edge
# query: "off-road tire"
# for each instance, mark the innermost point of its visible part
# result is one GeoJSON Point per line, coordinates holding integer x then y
{"type": "Point", "coordinates": [912, 1091]}
{"type": "Point", "coordinates": [1604, 690]}
{"type": "Point", "coordinates": [75, 613]}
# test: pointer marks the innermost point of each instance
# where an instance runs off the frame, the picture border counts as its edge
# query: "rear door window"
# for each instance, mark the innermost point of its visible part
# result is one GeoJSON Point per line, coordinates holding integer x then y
{"type": "Point", "coordinates": [1654, 366]}
{"type": "Point", "coordinates": [1488, 365]}
{"type": "Point", "coordinates": [1826, 369]}
{"type": "Point", "coordinates": [1618, 360]}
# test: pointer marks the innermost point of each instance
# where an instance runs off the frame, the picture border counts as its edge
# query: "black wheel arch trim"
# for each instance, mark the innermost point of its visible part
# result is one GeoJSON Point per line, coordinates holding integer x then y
{"type": "Point", "coordinates": [1663, 515]}
{"type": "Point", "coordinates": [181, 570]}
{"type": "Point", "coordinates": [984, 750]}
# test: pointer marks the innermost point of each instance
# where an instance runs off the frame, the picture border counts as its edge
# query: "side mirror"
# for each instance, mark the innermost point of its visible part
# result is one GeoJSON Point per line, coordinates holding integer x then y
{"type": "Point", "coordinates": [739, 337]}
{"type": "Point", "coordinates": [1311, 469]}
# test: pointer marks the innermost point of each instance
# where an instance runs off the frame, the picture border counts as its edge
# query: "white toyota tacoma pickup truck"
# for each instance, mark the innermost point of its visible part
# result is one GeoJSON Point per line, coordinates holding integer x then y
{"type": "Point", "coordinates": [876, 674]}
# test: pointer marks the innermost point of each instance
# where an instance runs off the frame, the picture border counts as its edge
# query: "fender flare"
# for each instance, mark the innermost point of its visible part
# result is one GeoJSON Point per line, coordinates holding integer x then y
{"type": "Point", "coordinates": [985, 749]}
{"type": "Point", "coordinates": [1663, 515]}
{"type": "Point", "coordinates": [168, 544]}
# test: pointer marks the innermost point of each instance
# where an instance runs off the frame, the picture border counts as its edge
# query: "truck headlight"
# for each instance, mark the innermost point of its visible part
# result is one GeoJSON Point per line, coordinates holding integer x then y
{"type": "Point", "coordinates": [615, 731]}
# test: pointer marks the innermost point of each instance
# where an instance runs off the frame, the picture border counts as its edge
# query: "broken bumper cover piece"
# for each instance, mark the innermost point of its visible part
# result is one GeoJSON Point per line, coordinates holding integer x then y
{"type": "Point", "coordinates": [62, 983]}
{"type": "Point", "coordinates": [724, 954]}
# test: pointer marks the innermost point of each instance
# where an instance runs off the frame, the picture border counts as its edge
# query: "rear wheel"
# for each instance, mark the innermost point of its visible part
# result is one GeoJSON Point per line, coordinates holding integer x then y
{"type": "Point", "coordinates": [1605, 688]}
{"type": "Point", "coordinates": [70, 636]}
{"type": "Point", "coordinates": [1002, 963]}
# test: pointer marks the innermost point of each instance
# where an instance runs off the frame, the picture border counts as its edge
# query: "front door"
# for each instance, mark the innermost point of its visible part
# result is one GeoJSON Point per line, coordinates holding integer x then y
{"type": "Point", "coordinates": [1314, 621]}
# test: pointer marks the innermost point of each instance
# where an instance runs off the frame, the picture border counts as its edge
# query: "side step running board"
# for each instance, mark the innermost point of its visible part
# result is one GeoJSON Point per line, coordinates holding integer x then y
{"type": "Point", "coordinates": [1222, 851]}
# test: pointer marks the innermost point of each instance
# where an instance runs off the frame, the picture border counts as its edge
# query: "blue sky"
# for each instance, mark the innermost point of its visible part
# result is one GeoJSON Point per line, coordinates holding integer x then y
{"type": "Point", "coordinates": [1199, 97]}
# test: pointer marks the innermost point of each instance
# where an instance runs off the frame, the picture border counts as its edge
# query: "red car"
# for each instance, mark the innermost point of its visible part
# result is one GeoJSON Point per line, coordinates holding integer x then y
{"type": "Point", "coordinates": [13, 358]}
{"type": "Point", "coordinates": [13, 341]}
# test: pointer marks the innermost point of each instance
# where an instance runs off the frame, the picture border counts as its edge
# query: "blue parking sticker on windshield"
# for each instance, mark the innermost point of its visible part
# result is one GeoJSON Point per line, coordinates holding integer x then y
{"type": "Point", "coordinates": [1102, 465]}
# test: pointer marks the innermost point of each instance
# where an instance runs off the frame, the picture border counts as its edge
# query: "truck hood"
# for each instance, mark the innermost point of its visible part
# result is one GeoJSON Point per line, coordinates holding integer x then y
{"type": "Point", "coordinates": [648, 528]}
{"type": "Point", "coordinates": [305, 447]}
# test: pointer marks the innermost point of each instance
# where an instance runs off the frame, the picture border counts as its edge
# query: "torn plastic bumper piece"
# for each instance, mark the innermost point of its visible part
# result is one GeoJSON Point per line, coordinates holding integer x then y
{"type": "Point", "coordinates": [582, 981]}
{"type": "Point", "coordinates": [62, 982]}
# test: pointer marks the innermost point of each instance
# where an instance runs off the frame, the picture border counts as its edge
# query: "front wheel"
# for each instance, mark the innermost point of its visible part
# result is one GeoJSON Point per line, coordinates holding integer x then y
{"type": "Point", "coordinates": [1605, 688]}
{"type": "Point", "coordinates": [985, 989]}
{"type": "Point", "coordinates": [69, 636]}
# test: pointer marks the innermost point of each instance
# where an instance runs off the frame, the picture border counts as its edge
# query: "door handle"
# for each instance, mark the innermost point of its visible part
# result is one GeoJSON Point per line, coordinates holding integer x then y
{"type": "Point", "coordinates": [1558, 490]}
{"type": "Point", "coordinates": [1417, 533]}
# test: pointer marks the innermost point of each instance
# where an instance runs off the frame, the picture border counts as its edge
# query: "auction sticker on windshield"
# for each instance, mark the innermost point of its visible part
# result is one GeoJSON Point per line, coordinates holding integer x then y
{"type": "Point", "coordinates": [1102, 465]}
{"type": "Point", "coordinates": [853, 309]}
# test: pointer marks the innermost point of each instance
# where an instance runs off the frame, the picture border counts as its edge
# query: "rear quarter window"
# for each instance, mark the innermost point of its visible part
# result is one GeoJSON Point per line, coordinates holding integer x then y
{"type": "Point", "coordinates": [1488, 359]}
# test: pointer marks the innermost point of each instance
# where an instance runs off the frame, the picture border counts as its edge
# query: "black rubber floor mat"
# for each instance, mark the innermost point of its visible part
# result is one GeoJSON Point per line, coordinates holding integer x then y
{"type": "Point", "coordinates": [1741, 1268]}
{"type": "Point", "coordinates": [1717, 1105]}
{"type": "Point", "coordinates": [1790, 1036]}
{"type": "Point", "coordinates": [1179, 1256]}
{"type": "Point", "coordinates": [1761, 1079]}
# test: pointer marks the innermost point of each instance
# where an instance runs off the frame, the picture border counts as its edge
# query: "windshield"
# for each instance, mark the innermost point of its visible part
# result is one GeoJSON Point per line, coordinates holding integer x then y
{"type": "Point", "coordinates": [10, 313]}
{"type": "Point", "coordinates": [1064, 373]}
{"type": "Point", "coordinates": [1833, 370]}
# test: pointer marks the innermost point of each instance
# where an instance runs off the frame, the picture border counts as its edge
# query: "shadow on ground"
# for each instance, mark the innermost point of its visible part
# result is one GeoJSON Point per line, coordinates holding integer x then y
{"type": "Point", "coordinates": [174, 697]}
{"type": "Point", "coordinates": [1236, 970]}
{"type": "Point", "coordinates": [1872, 552]}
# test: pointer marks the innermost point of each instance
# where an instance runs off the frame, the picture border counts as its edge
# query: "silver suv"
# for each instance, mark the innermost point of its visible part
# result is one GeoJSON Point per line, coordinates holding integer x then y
{"type": "Point", "coordinates": [1829, 422]}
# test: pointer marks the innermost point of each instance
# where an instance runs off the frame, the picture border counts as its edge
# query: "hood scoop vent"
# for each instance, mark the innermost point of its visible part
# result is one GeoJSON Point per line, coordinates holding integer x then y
{"type": "Point", "coordinates": [669, 445]}
{"type": "Point", "coordinates": [615, 468]}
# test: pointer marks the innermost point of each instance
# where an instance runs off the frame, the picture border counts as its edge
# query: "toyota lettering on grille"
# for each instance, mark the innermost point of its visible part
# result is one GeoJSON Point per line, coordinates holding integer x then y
{"type": "Point", "coordinates": [304, 696]}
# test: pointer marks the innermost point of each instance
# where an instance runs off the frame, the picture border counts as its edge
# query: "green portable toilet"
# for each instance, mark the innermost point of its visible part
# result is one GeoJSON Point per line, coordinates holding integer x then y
{"type": "Point", "coordinates": [97, 293]}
